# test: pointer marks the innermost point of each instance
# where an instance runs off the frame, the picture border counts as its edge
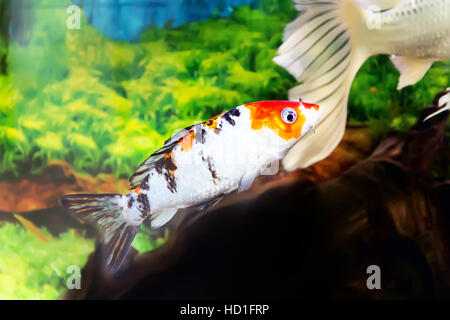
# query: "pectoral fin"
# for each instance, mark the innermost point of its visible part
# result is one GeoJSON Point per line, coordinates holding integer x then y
{"type": "Point", "coordinates": [411, 70]}
{"type": "Point", "coordinates": [160, 218]}
{"type": "Point", "coordinates": [444, 105]}
{"type": "Point", "coordinates": [208, 204]}
{"type": "Point", "coordinates": [247, 180]}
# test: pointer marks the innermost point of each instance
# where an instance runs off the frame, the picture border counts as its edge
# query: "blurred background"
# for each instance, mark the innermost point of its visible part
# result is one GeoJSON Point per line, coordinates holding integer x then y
{"type": "Point", "coordinates": [81, 108]}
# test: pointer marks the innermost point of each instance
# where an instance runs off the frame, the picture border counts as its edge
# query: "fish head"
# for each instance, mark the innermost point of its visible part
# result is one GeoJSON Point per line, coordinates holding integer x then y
{"type": "Point", "coordinates": [312, 114]}
{"type": "Point", "coordinates": [288, 120]}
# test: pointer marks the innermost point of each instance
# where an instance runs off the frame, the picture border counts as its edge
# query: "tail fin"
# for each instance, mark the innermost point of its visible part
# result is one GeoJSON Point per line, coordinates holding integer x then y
{"type": "Point", "coordinates": [322, 49]}
{"type": "Point", "coordinates": [106, 211]}
{"type": "Point", "coordinates": [443, 104]}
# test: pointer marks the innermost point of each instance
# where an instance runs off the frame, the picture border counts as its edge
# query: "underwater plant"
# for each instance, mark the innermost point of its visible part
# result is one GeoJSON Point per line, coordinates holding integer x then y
{"type": "Point", "coordinates": [77, 96]}
{"type": "Point", "coordinates": [36, 269]}
{"type": "Point", "coordinates": [82, 98]}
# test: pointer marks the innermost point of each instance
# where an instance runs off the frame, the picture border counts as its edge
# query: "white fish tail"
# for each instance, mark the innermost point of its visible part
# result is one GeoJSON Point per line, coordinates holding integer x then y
{"type": "Point", "coordinates": [323, 48]}
{"type": "Point", "coordinates": [109, 213]}
{"type": "Point", "coordinates": [443, 104]}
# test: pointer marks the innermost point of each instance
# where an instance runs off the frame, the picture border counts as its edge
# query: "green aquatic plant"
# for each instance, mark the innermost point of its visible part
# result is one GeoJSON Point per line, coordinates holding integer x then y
{"type": "Point", "coordinates": [34, 265]}
{"type": "Point", "coordinates": [33, 269]}
{"type": "Point", "coordinates": [104, 105]}
{"type": "Point", "coordinates": [146, 240]}
{"type": "Point", "coordinates": [374, 96]}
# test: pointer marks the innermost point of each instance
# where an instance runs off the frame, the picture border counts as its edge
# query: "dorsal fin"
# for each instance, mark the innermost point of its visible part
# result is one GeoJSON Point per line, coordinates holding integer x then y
{"type": "Point", "coordinates": [177, 136]}
{"type": "Point", "coordinates": [144, 168]}
{"type": "Point", "coordinates": [153, 160]}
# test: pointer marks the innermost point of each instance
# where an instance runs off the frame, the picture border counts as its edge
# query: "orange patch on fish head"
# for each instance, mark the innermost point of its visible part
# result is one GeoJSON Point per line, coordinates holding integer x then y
{"type": "Point", "coordinates": [283, 117]}
{"type": "Point", "coordinates": [311, 105]}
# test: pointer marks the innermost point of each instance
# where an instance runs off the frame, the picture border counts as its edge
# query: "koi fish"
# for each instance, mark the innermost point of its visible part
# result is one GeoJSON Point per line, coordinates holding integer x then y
{"type": "Point", "coordinates": [330, 40]}
{"type": "Point", "coordinates": [195, 168]}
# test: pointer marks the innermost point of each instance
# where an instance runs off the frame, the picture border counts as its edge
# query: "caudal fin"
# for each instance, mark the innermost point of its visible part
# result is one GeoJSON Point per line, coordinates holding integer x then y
{"type": "Point", "coordinates": [322, 49]}
{"type": "Point", "coordinates": [106, 212]}
{"type": "Point", "coordinates": [443, 104]}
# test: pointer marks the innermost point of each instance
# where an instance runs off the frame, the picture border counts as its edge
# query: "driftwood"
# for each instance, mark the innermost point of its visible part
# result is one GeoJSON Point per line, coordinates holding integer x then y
{"type": "Point", "coordinates": [297, 239]}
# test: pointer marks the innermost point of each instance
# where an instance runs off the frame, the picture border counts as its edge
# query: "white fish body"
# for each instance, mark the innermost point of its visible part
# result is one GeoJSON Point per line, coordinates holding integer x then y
{"type": "Point", "coordinates": [417, 29]}
{"type": "Point", "coordinates": [195, 168]}
{"type": "Point", "coordinates": [330, 40]}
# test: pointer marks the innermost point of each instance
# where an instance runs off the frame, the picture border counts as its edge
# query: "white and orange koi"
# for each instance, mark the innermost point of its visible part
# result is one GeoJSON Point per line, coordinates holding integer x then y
{"type": "Point", "coordinates": [196, 168]}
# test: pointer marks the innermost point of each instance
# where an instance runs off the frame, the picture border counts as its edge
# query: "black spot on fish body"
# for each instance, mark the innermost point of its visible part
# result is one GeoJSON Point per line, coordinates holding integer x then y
{"type": "Point", "coordinates": [130, 202]}
{"type": "Point", "coordinates": [166, 166]}
{"type": "Point", "coordinates": [165, 162]}
{"type": "Point", "coordinates": [200, 153]}
{"type": "Point", "coordinates": [227, 117]}
{"type": "Point", "coordinates": [171, 183]}
{"type": "Point", "coordinates": [211, 168]}
{"type": "Point", "coordinates": [144, 205]}
{"type": "Point", "coordinates": [230, 114]}
{"type": "Point", "coordinates": [218, 128]}
{"type": "Point", "coordinates": [213, 175]}
{"type": "Point", "coordinates": [144, 184]}
{"type": "Point", "coordinates": [199, 136]}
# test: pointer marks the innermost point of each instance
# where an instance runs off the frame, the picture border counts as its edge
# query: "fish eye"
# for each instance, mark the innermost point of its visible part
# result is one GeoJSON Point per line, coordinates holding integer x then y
{"type": "Point", "coordinates": [289, 115]}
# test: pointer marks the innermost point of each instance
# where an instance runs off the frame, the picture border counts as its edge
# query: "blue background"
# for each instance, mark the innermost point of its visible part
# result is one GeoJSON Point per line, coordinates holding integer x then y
{"type": "Point", "coordinates": [125, 19]}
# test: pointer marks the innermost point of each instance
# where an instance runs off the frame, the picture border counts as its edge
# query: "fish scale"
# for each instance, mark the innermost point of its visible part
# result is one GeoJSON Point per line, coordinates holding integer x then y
{"type": "Point", "coordinates": [417, 29]}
